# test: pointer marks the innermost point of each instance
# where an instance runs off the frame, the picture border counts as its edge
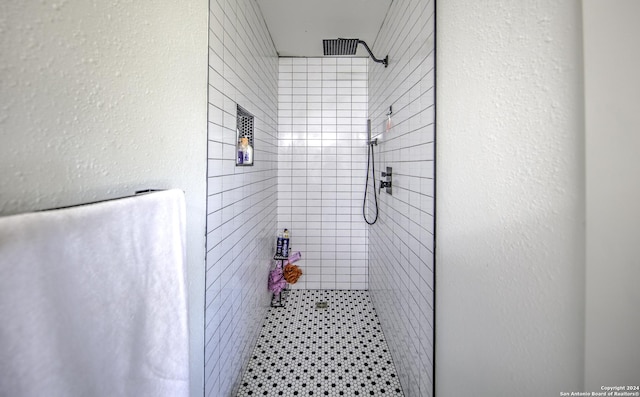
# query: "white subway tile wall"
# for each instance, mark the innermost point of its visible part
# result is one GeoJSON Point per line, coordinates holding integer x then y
{"type": "Point", "coordinates": [401, 244]}
{"type": "Point", "coordinates": [242, 201]}
{"type": "Point", "coordinates": [322, 158]}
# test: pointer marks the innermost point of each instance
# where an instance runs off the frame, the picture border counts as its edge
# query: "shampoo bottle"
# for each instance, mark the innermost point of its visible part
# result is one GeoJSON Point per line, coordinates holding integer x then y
{"type": "Point", "coordinates": [279, 244]}
{"type": "Point", "coordinates": [240, 154]}
{"type": "Point", "coordinates": [285, 243]}
{"type": "Point", "coordinates": [247, 151]}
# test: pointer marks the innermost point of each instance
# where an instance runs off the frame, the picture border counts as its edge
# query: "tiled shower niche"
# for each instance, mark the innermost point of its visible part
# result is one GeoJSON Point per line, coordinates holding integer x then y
{"type": "Point", "coordinates": [244, 137]}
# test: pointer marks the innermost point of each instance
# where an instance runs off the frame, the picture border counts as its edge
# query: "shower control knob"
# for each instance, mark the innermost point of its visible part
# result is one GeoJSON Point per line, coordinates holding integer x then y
{"type": "Point", "coordinates": [387, 183]}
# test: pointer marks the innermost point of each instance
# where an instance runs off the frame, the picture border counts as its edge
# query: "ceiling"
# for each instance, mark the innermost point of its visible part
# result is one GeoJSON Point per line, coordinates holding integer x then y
{"type": "Point", "coordinates": [298, 26]}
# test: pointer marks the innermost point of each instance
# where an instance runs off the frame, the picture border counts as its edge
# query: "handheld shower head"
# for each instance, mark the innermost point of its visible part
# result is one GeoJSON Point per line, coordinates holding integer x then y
{"type": "Point", "coordinates": [349, 47]}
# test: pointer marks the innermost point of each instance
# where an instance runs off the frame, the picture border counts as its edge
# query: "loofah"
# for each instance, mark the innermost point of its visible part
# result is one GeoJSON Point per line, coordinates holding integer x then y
{"type": "Point", "coordinates": [292, 273]}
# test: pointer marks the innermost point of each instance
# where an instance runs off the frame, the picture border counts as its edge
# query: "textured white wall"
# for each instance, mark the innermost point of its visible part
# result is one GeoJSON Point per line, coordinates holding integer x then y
{"type": "Point", "coordinates": [510, 198]}
{"type": "Point", "coordinates": [612, 100]}
{"type": "Point", "coordinates": [102, 98]}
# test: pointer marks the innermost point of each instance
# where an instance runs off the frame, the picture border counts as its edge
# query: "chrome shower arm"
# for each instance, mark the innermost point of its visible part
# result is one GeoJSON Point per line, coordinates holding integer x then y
{"type": "Point", "coordinates": [349, 47]}
{"type": "Point", "coordinates": [384, 61]}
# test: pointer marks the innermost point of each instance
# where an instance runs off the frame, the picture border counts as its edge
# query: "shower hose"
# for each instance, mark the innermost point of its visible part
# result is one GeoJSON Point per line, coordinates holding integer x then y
{"type": "Point", "coordinates": [370, 160]}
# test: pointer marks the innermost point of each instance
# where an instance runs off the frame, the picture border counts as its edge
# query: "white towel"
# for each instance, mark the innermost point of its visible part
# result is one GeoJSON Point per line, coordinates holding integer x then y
{"type": "Point", "coordinates": [93, 300]}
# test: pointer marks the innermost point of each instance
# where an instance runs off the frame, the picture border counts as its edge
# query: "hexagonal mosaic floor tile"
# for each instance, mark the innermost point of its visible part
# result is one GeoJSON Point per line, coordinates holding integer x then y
{"type": "Point", "coordinates": [307, 350]}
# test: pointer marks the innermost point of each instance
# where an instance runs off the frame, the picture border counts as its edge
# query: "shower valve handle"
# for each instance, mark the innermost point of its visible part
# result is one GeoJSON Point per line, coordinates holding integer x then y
{"type": "Point", "coordinates": [386, 184]}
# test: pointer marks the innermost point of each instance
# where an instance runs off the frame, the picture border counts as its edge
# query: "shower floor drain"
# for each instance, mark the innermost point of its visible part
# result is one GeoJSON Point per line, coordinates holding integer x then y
{"type": "Point", "coordinates": [322, 305]}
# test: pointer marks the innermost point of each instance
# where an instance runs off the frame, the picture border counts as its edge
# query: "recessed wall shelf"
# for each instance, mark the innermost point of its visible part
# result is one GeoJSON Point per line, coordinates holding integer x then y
{"type": "Point", "coordinates": [244, 138]}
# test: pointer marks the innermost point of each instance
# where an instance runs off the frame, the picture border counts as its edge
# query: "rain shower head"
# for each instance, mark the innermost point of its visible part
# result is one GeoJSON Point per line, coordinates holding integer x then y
{"type": "Point", "coordinates": [348, 47]}
{"type": "Point", "coordinates": [340, 46]}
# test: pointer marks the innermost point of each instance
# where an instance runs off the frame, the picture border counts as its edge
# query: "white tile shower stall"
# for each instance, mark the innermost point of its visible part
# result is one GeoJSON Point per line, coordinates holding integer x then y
{"type": "Point", "coordinates": [308, 176]}
{"type": "Point", "coordinates": [322, 155]}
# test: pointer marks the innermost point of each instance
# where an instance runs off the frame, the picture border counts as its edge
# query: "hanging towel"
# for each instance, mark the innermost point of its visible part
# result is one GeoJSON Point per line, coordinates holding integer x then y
{"type": "Point", "coordinates": [93, 300]}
